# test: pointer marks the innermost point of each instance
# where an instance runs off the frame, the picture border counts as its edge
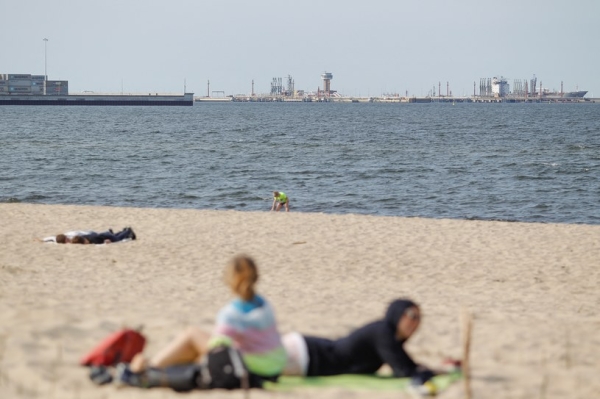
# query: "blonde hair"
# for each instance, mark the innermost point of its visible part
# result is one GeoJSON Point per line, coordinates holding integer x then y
{"type": "Point", "coordinates": [242, 275]}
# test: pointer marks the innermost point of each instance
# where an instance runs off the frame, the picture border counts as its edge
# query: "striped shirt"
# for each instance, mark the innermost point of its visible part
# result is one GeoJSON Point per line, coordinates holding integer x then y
{"type": "Point", "coordinates": [250, 327]}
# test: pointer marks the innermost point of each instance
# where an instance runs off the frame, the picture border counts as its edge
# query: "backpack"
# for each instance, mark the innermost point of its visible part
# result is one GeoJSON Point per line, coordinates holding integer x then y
{"type": "Point", "coordinates": [120, 346]}
{"type": "Point", "coordinates": [226, 369]}
{"type": "Point", "coordinates": [223, 368]}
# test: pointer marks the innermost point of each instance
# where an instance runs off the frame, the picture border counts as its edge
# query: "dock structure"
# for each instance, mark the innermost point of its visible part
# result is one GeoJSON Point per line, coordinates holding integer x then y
{"type": "Point", "coordinates": [187, 99]}
{"type": "Point", "coordinates": [27, 89]}
{"type": "Point", "coordinates": [491, 90]}
{"type": "Point", "coordinates": [404, 100]}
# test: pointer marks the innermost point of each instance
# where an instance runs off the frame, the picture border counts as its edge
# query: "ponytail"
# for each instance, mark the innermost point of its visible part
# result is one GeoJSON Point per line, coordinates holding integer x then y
{"type": "Point", "coordinates": [243, 275]}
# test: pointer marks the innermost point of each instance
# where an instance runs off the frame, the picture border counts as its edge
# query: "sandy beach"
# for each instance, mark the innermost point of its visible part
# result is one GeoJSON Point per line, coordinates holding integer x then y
{"type": "Point", "coordinates": [533, 290]}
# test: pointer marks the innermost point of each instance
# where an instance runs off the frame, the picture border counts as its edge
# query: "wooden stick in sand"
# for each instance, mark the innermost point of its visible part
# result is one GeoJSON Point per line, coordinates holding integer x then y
{"type": "Point", "coordinates": [467, 327]}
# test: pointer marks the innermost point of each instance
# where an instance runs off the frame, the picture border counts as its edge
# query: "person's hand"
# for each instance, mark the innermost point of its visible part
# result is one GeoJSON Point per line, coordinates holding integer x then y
{"type": "Point", "coordinates": [422, 375]}
{"type": "Point", "coordinates": [421, 382]}
{"type": "Point", "coordinates": [450, 365]}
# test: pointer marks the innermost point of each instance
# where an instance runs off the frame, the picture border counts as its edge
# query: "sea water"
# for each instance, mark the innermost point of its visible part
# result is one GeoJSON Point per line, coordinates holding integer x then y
{"type": "Point", "coordinates": [513, 162]}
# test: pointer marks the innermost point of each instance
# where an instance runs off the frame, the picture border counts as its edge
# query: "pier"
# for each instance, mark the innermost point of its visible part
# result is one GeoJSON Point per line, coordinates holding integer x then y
{"type": "Point", "coordinates": [156, 99]}
{"type": "Point", "coordinates": [398, 99]}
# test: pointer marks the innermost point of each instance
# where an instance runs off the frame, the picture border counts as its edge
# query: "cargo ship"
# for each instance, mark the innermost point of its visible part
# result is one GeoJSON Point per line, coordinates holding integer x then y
{"type": "Point", "coordinates": [26, 89]}
{"type": "Point", "coordinates": [575, 94]}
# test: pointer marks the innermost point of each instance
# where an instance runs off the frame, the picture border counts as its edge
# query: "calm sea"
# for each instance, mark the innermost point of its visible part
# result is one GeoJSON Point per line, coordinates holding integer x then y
{"type": "Point", "coordinates": [514, 162]}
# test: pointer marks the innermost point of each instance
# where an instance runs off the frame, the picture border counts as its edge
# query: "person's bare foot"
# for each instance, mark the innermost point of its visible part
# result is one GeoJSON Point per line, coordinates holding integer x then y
{"type": "Point", "coordinates": [138, 363]}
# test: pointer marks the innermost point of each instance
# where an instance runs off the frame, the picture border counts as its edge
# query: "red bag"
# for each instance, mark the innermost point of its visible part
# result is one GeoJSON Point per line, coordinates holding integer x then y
{"type": "Point", "coordinates": [120, 346]}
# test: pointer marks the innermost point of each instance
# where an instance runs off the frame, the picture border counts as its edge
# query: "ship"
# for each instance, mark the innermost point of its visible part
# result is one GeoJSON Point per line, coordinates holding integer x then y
{"type": "Point", "coordinates": [575, 94]}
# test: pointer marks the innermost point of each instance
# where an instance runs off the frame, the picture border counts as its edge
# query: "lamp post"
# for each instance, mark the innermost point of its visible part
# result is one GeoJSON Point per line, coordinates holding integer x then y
{"type": "Point", "coordinates": [45, 63]}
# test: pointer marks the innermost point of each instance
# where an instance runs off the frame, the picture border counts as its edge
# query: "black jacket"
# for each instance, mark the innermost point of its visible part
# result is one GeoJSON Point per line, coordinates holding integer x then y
{"type": "Point", "coordinates": [365, 350]}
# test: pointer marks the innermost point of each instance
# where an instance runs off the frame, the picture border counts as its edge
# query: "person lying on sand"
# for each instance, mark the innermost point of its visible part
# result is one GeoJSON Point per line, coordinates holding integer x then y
{"type": "Point", "coordinates": [91, 237]}
{"type": "Point", "coordinates": [247, 323]}
{"type": "Point", "coordinates": [363, 351]}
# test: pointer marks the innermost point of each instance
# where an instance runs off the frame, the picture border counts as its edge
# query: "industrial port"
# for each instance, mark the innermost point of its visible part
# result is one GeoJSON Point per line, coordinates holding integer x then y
{"type": "Point", "coordinates": [491, 90]}
{"type": "Point", "coordinates": [27, 89]}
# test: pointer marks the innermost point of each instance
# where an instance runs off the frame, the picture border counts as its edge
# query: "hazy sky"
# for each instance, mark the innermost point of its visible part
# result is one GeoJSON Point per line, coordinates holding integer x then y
{"type": "Point", "coordinates": [371, 47]}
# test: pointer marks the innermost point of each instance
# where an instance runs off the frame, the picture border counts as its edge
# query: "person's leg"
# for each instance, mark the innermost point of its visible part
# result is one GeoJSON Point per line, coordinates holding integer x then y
{"type": "Point", "coordinates": [123, 234]}
{"type": "Point", "coordinates": [278, 207]}
{"type": "Point", "coordinates": [188, 347]}
{"type": "Point", "coordinates": [287, 205]}
{"type": "Point", "coordinates": [94, 238]}
{"type": "Point", "coordinates": [115, 237]}
{"type": "Point", "coordinates": [107, 235]}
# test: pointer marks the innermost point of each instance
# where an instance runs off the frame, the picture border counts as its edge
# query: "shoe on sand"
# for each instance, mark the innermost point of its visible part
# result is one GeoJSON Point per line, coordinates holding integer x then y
{"type": "Point", "coordinates": [125, 377]}
{"type": "Point", "coordinates": [100, 375]}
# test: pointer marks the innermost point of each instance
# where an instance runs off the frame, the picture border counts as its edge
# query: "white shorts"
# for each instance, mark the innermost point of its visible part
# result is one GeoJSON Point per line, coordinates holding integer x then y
{"type": "Point", "coordinates": [297, 354]}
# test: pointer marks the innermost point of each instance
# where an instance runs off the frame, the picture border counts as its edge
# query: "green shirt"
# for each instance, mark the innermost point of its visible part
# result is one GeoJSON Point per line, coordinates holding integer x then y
{"type": "Point", "coordinates": [281, 197]}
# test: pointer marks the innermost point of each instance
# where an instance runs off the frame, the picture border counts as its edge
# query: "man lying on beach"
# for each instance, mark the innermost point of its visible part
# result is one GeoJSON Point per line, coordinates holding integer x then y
{"type": "Point", "coordinates": [91, 237]}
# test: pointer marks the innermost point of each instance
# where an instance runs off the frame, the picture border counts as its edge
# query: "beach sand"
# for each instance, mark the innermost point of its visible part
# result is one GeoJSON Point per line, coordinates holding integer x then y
{"type": "Point", "coordinates": [533, 290]}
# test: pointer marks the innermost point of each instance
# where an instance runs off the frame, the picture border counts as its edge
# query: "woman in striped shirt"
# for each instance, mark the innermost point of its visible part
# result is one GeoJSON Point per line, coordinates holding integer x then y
{"type": "Point", "coordinates": [247, 324]}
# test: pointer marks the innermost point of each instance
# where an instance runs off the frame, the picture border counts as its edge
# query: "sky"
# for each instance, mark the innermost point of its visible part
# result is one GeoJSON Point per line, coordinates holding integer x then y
{"type": "Point", "coordinates": [371, 47]}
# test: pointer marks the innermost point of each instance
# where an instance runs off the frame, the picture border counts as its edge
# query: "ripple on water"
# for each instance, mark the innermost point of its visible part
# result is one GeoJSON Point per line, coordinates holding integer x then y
{"type": "Point", "coordinates": [525, 163]}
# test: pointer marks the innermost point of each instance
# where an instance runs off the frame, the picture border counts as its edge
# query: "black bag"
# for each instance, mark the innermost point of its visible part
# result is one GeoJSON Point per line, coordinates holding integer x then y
{"type": "Point", "coordinates": [226, 369]}
{"type": "Point", "coordinates": [223, 369]}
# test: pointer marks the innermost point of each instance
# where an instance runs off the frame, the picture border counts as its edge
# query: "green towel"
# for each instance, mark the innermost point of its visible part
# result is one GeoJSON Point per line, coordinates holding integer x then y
{"type": "Point", "coordinates": [357, 381]}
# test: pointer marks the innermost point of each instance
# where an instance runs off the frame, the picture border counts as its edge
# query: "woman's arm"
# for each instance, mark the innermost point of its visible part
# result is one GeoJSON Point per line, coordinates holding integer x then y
{"type": "Point", "coordinates": [391, 351]}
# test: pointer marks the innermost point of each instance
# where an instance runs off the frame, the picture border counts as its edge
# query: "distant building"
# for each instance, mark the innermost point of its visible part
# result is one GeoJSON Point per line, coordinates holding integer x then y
{"type": "Point", "coordinates": [27, 84]}
{"type": "Point", "coordinates": [327, 76]}
{"type": "Point", "coordinates": [500, 87]}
